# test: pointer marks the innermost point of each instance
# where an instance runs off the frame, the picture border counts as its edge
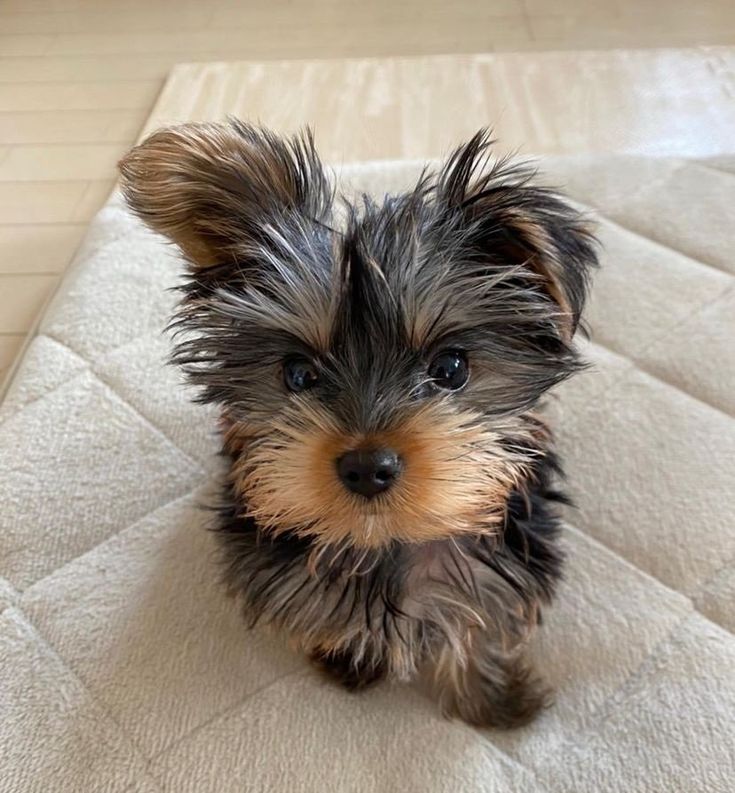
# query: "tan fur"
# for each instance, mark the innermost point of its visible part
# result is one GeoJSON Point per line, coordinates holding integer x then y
{"type": "Point", "coordinates": [487, 688]}
{"type": "Point", "coordinates": [187, 182]}
{"type": "Point", "coordinates": [456, 477]}
{"type": "Point", "coordinates": [165, 182]}
{"type": "Point", "coordinates": [545, 264]}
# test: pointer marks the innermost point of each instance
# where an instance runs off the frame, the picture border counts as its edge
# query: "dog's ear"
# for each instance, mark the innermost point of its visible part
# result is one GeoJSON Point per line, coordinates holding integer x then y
{"type": "Point", "coordinates": [215, 189]}
{"type": "Point", "coordinates": [510, 220]}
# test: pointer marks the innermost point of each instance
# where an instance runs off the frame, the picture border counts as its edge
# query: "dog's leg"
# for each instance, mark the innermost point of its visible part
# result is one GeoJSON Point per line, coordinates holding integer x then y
{"type": "Point", "coordinates": [488, 687]}
{"type": "Point", "coordinates": [342, 667]}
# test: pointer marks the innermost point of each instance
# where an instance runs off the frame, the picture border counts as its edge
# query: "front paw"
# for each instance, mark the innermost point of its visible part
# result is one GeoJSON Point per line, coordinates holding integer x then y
{"type": "Point", "coordinates": [515, 705]}
{"type": "Point", "coordinates": [341, 667]}
{"type": "Point", "coordinates": [493, 693]}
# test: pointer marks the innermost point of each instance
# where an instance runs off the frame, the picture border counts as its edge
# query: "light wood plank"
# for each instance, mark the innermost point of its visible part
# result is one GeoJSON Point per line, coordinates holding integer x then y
{"type": "Point", "coordinates": [40, 202]}
{"type": "Point", "coordinates": [38, 248]}
{"type": "Point", "coordinates": [10, 346]}
{"type": "Point", "coordinates": [141, 7]}
{"type": "Point", "coordinates": [21, 299]}
{"type": "Point", "coordinates": [132, 20]}
{"type": "Point", "coordinates": [65, 69]}
{"type": "Point", "coordinates": [367, 16]}
{"type": "Point", "coordinates": [70, 126]}
{"type": "Point", "coordinates": [24, 45]}
{"type": "Point", "coordinates": [601, 9]}
{"type": "Point", "coordinates": [60, 162]}
{"type": "Point", "coordinates": [421, 107]}
{"type": "Point", "coordinates": [92, 200]}
{"type": "Point", "coordinates": [297, 40]}
{"type": "Point", "coordinates": [133, 95]}
{"type": "Point", "coordinates": [565, 32]}
{"type": "Point", "coordinates": [176, 43]}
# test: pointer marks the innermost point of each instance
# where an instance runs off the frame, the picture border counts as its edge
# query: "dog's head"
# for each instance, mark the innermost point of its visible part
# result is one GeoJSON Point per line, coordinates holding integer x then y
{"type": "Point", "coordinates": [376, 377]}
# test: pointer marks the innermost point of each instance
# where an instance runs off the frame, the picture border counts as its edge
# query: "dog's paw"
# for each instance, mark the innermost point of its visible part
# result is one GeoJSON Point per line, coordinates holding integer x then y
{"type": "Point", "coordinates": [341, 668]}
{"type": "Point", "coordinates": [503, 693]}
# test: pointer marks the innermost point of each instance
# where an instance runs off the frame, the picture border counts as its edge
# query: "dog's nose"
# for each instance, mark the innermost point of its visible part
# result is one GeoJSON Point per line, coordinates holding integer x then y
{"type": "Point", "coordinates": [369, 471]}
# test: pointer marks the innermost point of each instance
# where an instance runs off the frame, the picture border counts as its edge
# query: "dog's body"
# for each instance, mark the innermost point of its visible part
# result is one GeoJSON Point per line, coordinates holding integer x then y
{"type": "Point", "coordinates": [390, 498]}
{"type": "Point", "coordinates": [456, 611]}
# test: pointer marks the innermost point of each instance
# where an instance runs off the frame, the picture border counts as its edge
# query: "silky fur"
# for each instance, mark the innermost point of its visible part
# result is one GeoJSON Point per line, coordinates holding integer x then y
{"type": "Point", "coordinates": [443, 576]}
{"type": "Point", "coordinates": [458, 475]}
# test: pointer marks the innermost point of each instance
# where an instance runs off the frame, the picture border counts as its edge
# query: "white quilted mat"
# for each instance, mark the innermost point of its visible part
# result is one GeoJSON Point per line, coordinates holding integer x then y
{"type": "Point", "coordinates": [123, 666]}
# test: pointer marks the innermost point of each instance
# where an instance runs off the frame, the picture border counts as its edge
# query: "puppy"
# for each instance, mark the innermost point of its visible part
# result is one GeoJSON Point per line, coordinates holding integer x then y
{"type": "Point", "coordinates": [391, 494]}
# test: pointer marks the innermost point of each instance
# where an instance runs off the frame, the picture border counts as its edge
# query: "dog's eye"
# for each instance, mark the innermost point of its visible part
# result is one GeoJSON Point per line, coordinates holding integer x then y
{"type": "Point", "coordinates": [299, 374]}
{"type": "Point", "coordinates": [450, 370]}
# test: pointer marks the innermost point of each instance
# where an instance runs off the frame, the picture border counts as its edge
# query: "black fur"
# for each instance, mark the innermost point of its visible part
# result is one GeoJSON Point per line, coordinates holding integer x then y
{"type": "Point", "coordinates": [447, 578]}
{"type": "Point", "coordinates": [258, 564]}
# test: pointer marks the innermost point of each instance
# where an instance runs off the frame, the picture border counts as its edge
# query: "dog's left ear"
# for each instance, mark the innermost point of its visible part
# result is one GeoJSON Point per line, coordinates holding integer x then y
{"type": "Point", "coordinates": [512, 221]}
{"type": "Point", "coordinates": [214, 189]}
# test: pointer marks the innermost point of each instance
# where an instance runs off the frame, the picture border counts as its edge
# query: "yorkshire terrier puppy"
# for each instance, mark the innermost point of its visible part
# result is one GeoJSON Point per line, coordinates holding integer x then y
{"type": "Point", "coordinates": [391, 494]}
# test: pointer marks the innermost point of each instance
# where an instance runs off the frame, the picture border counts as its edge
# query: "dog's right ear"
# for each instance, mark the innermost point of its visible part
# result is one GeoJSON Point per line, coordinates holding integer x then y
{"type": "Point", "coordinates": [217, 189]}
{"type": "Point", "coordinates": [524, 226]}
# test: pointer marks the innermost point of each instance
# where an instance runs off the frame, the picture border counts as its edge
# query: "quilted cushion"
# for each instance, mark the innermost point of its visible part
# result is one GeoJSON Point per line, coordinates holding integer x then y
{"type": "Point", "coordinates": [123, 666]}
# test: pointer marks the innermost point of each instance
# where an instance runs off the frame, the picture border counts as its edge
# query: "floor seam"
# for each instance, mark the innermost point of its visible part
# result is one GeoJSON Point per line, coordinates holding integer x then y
{"type": "Point", "coordinates": [702, 307]}
{"type": "Point", "coordinates": [147, 422]}
{"type": "Point", "coordinates": [635, 365]}
{"type": "Point", "coordinates": [121, 731]}
{"type": "Point", "coordinates": [226, 711]}
{"type": "Point", "coordinates": [145, 516]}
{"type": "Point", "coordinates": [594, 720]}
{"type": "Point", "coordinates": [514, 761]}
{"type": "Point", "coordinates": [646, 574]}
{"type": "Point", "coordinates": [632, 357]}
{"type": "Point", "coordinates": [625, 561]}
{"type": "Point", "coordinates": [20, 408]}
{"type": "Point", "coordinates": [716, 169]}
{"type": "Point", "coordinates": [599, 215]}
{"type": "Point", "coordinates": [91, 371]}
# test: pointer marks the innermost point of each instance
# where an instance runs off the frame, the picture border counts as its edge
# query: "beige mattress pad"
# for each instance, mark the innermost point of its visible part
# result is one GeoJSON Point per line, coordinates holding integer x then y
{"type": "Point", "coordinates": [124, 667]}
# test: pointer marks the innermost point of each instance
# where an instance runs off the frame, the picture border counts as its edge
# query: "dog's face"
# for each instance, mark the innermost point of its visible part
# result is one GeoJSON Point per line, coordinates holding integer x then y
{"type": "Point", "coordinates": [376, 377]}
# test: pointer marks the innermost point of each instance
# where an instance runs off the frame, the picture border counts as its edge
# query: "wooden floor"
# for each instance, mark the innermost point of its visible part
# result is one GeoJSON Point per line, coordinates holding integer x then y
{"type": "Point", "coordinates": [78, 79]}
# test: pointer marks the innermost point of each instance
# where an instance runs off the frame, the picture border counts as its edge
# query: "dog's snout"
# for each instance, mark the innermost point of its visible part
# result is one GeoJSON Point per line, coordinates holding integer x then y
{"type": "Point", "coordinates": [368, 472]}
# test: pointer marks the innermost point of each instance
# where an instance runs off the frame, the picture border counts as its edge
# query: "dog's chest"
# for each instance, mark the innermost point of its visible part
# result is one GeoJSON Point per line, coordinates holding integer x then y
{"type": "Point", "coordinates": [413, 593]}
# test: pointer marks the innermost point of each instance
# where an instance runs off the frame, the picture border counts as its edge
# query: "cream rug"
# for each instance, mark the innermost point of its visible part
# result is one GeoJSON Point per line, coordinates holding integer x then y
{"type": "Point", "coordinates": [123, 666]}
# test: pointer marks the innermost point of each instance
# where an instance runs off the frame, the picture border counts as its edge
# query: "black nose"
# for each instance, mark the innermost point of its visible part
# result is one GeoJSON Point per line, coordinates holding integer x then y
{"type": "Point", "coordinates": [369, 471]}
